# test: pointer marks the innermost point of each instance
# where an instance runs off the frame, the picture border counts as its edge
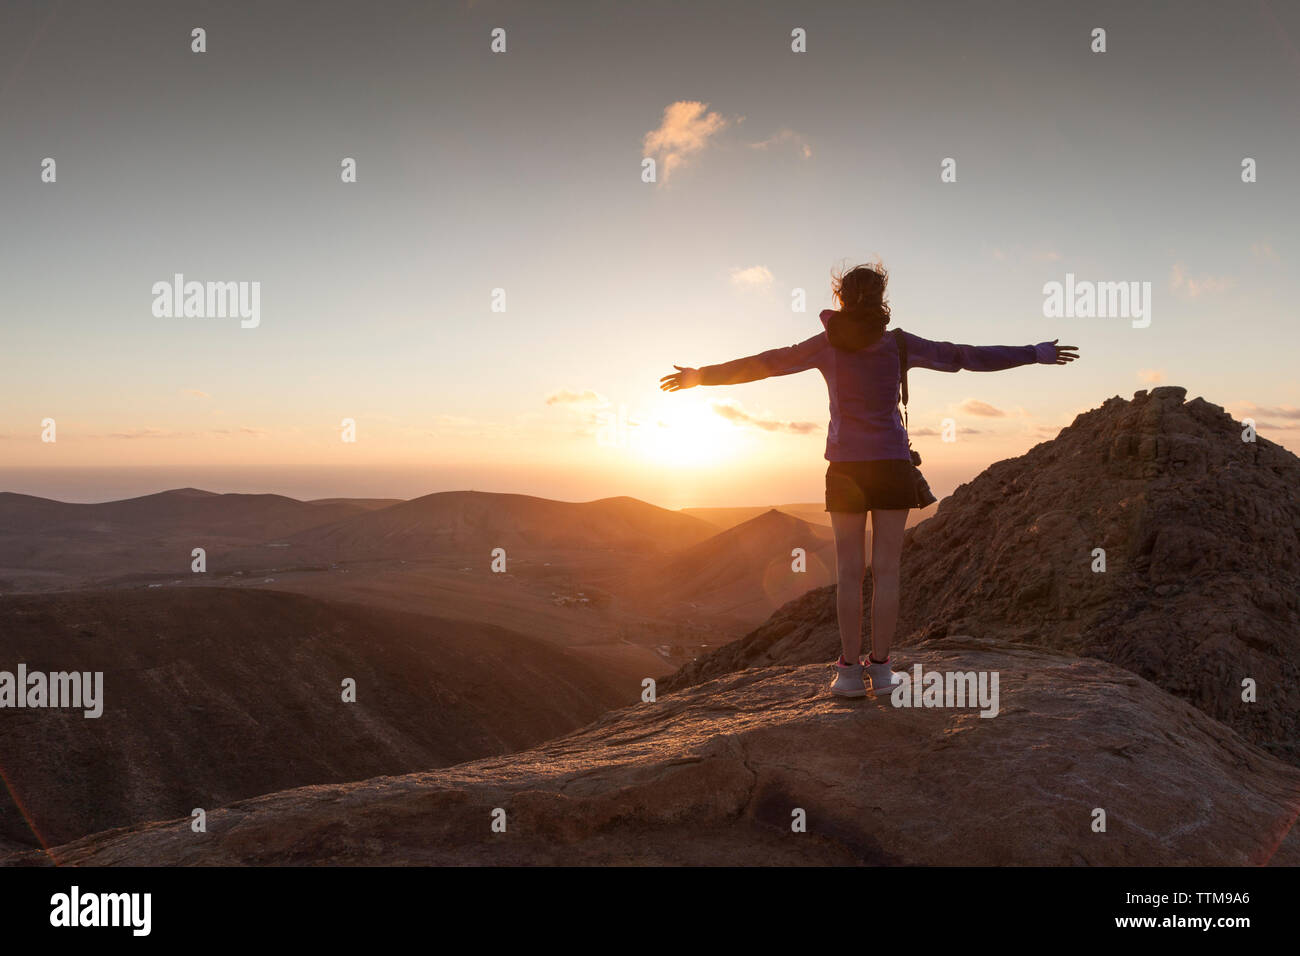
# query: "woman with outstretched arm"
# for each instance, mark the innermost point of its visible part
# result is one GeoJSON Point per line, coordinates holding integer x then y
{"type": "Point", "coordinates": [871, 467]}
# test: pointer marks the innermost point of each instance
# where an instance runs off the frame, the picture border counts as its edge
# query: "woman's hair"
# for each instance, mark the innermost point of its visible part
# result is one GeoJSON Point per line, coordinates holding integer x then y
{"type": "Point", "coordinates": [864, 311]}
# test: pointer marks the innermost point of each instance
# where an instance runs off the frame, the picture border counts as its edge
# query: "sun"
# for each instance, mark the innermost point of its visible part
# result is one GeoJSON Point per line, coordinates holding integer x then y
{"type": "Point", "coordinates": [684, 430]}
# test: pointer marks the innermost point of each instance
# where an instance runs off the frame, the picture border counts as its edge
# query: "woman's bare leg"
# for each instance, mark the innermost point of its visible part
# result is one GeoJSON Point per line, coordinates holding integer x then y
{"type": "Point", "coordinates": [886, 553]}
{"type": "Point", "coordinates": [850, 567]}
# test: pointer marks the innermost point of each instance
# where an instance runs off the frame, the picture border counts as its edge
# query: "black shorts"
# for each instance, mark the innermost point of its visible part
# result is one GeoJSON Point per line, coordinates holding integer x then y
{"type": "Point", "coordinates": [860, 486]}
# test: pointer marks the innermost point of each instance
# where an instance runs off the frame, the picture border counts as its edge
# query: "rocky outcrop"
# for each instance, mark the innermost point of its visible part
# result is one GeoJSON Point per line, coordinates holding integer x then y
{"type": "Point", "coordinates": [1201, 588]}
{"type": "Point", "coordinates": [718, 773]}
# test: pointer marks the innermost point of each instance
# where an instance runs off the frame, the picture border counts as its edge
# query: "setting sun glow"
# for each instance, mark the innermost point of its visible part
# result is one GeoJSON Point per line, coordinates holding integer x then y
{"type": "Point", "coordinates": [684, 431]}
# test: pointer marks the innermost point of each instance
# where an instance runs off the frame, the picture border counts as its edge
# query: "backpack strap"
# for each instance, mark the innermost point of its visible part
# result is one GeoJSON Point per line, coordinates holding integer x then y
{"type": "Point", "coordinates": [901, 341]}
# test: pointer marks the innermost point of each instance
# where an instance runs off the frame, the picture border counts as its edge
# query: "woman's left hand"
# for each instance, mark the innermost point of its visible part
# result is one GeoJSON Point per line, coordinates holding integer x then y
{"type": "Point", "coordinates": [682, 378]}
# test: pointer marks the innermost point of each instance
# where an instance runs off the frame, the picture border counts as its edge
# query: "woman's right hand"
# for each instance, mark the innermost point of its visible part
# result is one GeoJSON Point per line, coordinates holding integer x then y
{"type": "Point", "coordinates": [1065, 354]}
{"type": "Point", "coordinates": [680, 379]}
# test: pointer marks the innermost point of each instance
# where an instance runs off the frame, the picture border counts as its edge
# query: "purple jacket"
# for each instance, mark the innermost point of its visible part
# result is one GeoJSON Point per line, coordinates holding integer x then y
{"type": "Point", "coordinates": [864, 384]}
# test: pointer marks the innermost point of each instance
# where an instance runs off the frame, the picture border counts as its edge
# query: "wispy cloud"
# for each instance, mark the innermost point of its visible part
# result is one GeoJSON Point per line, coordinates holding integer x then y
{"type": "Point", "coordinates": [1195, 286]}
{"type": "Point", "coordinates": [686, 129]}
{"type": "Point", "coordinates": [1280, 418]}
{"type": "Point", "coordinates": [194, 393]}
{"type": "Point", "coordinates": [753, 277]}
{"type": "Point", "coordinates": [734, 413]}
{"type": "Point", "coordinates": [786, 137]}
{"type": "Point", "coordinates": [926, 432]}
{"type": "Point", "coordinates": [974, 406]}
{"type": "Point", "coordinates": [1262, 250]}
{"type": "Point", "coordinates": [136, 434]}
{"type": "Point", "coordinates": [568, 396]}
{"type": "Point", "coordinates": [1251, 410]}
{"type": "Point", "coordinates": [1151, 376]}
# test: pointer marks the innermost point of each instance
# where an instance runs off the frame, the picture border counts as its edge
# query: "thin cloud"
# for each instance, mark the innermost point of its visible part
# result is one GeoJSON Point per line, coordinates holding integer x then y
{"type": "Point", "coordinates": [1151, 376]}
{"type": "Point", "coordinates": [1272, 411]}
{"type": "Point", "coordinates": [973, 406]}
{"type": "Point", "coordinates": [137, 434]}
{"type": "Point", "coordinates": [1262, 250]}
{"type": "Point", "coordinates": [734, 413]}
{"type": "Point", "coordinates": [686, 129]}
{"type": "Point", "coordinates": [754, 277]}
{"type": "Point", "coordinates": [786, 137]}
{"type": "Point", "coordinates": [927, 432]}
{"type": "Point", "coordinates": [1195, 286]}
{"type": "Point", "coordinates": [568, 396]}
{"type": "Point", "coordinates": [194, 393]}
{"type": "Point", "coordinates": [244, 430]}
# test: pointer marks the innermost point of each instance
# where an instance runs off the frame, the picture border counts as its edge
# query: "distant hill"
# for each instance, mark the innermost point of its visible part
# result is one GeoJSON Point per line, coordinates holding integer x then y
{"type": "Point", "coordinates": [215, 694]}
{"type": "Point", "coordinates": [363, 504]}
{"type": "Point", "coordinates": [478, 521]}
{"type": "Point", "coordinates": [724, 518]}
{"type": "Point", "coordinates": [744, 573]}
{"type": "Point", "coordinates": [813, 512]}
{"type": "Point", "coordinates": [47, 541]}
{"type": "Point", "coordinates": [180, 511]}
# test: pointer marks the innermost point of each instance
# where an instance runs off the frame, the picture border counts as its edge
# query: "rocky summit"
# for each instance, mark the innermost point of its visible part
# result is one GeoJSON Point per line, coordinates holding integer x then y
{"type": "Point", "coordinates": [1085, 763]}
{"type": "Point", "coordinates": [1200, 534]}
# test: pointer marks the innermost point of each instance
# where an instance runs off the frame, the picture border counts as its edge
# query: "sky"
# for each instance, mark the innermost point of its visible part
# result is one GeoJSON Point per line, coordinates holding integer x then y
{"type": "Point", "coordinates": [522, 171]}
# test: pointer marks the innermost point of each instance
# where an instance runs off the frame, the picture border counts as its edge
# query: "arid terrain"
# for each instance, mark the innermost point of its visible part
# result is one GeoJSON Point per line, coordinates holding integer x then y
{"type": "Point", "coordinates": [1133, 582]}
{"type": "Point", "coordinates": [226, 683]}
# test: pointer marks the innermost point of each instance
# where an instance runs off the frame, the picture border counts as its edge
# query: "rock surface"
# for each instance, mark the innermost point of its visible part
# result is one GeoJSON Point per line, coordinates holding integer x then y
{"type": "Point", "coordinates": [1201, 533]}
{"type": "Point", "coordinates": [713, 773]}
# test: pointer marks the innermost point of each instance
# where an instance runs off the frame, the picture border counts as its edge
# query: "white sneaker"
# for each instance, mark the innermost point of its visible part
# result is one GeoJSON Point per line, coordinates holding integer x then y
{"type": "Point", "coordinates": [882, 676]}
{"type": "Point", "coordinates": [848, 681]}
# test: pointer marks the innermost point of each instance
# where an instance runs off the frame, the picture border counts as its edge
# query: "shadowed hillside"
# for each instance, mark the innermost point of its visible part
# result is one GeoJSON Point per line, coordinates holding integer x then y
{"type": "Point", "coordinates": [743, 573]}
{"type": "Point", "coordinates": [476, 521]}
{"type": "Point", "coordinates": [213, 695]}
{"type": "Point", "coordinates": [813, 512]}
{"type": "Point", "coordinates": [54, 543]}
